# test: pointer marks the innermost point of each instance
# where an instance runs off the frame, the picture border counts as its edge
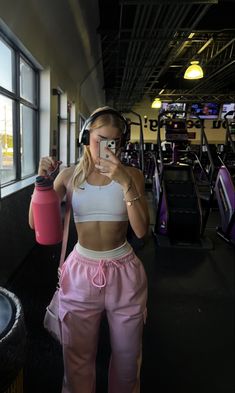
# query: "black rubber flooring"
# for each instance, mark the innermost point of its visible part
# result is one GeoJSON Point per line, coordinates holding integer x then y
{"type": "Point", "coordinates": [188, 342]}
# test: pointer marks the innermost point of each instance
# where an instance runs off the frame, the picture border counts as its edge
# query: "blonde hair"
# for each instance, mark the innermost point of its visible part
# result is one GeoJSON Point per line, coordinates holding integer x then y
{"type": "Point", "coordinates": [85, 165]}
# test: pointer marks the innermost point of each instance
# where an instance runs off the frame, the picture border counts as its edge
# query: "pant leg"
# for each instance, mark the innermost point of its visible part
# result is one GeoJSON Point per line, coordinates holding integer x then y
{"type": "Point", "coordinates": [81, 307]}
{"type": "Point", "coordinates": [126, 309]}
{"type": "Point", "coordinates": [79, 351]}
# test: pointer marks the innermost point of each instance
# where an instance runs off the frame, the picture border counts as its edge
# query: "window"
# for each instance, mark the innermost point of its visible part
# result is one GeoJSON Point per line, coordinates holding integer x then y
{"type": "Point", "coordinates": [18, 114]}
{"type": "Point", "coordinates": [7, 166]}
{"type": "Point", "coordinates": [63, 129]}
{"type": "Point", "coordinates": [72, 122]}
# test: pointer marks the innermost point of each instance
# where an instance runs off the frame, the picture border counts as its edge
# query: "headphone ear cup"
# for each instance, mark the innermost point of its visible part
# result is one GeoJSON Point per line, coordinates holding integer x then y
{"type": "Point", "coordinates": [85, 140]}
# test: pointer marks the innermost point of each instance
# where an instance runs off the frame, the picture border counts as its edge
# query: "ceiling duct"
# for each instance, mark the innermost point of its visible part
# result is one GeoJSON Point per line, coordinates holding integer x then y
{"type": "Point", "coordinates": [147, 46]}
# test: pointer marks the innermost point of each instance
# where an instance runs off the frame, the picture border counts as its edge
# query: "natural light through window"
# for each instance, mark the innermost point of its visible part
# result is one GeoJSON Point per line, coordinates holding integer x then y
{"type": "Point", "coordinates": [6, 140]}
{"type": "Point", "coordinates": [19, 114]}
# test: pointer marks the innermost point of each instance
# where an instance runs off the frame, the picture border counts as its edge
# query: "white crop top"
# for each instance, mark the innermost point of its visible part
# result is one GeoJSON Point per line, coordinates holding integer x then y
{"type": "Point", "coordinates": [99, 203]}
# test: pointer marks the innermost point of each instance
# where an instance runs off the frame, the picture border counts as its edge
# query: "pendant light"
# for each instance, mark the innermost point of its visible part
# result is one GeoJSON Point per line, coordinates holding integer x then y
{"type": "Point", "coordinates": [194, 71]}
{"type": "Point", "coordinates": [156, 104]}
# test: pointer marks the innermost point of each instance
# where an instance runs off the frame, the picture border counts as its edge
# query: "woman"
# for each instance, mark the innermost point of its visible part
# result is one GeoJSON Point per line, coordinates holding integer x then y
{"type": "Point", "coordinates": [102, 273]}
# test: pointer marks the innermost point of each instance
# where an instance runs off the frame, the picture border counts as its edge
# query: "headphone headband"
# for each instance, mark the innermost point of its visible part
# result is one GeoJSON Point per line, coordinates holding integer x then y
{"type": "Point", "coordinates": [84, 133]}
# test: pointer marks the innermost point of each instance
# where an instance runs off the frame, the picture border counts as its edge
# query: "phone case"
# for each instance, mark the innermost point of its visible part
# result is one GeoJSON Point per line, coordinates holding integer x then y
{"type": "Point", "coordinates": [111, 144]}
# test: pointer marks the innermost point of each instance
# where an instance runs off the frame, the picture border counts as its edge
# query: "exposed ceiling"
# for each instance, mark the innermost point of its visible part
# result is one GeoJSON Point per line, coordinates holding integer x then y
{"type": "Point", "coordinates": [148, 44]}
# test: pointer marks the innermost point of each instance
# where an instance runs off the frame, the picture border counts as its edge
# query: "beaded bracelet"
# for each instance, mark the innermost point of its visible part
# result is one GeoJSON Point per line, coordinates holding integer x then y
{"type": "Point", "coordinates": [130, 201]}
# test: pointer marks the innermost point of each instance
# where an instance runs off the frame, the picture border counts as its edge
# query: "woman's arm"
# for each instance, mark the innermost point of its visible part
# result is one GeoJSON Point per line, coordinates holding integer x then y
{"type": "Point", "coordinates": [137, 207]}
{"type": "Point", "coordinates": [132, 181]}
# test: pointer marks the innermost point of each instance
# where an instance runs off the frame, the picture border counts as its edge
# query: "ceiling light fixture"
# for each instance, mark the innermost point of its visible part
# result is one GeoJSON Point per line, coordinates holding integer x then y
{"type": "Point", "coordinates": [191, 35]}
{"type": "Point", "coordinates": [194, 71]}
{"type": "Point", "coordinates": [156, 104]}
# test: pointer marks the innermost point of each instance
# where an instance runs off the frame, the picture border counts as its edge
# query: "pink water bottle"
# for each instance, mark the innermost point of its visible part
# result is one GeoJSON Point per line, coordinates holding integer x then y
{"type": "Point", "coordinates": [46, 212]}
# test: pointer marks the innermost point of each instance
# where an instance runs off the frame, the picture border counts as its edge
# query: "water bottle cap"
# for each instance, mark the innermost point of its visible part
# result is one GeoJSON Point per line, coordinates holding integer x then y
{"type": "Point", "coordinates": [44, 182]}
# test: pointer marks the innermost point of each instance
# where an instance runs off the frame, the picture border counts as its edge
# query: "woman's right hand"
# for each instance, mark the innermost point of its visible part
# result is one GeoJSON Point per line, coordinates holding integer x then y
{"type": "Point", "coordinates": [46, 165]}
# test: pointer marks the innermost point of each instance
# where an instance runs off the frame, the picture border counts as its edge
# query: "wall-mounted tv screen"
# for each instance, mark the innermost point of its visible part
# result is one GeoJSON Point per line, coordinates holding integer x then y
{"type": "Point", "coordinates": [174, 106]}
{"type": "Point", "coordinates": [227, 108]}
{"type": "Point", "coordinates": [209, 110]}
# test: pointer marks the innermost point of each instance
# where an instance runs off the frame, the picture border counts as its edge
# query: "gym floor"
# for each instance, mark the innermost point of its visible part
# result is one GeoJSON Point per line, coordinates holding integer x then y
{"type": "Point", "coordinates": [188, 342]}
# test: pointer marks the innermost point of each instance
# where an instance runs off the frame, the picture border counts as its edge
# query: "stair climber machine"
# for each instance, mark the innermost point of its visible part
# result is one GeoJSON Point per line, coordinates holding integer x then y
{"type": "Point", "coordinates": [225, 184]}
{"type": "Point", "coordinates": [179, 220]}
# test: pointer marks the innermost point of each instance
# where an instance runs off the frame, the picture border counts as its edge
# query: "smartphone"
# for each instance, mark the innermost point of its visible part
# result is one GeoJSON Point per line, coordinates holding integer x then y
{"type": "Point", "coordinates": [111, 144]}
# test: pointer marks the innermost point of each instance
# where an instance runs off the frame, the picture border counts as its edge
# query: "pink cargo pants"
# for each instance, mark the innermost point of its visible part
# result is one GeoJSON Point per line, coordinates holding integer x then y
{"type": "Point", "coordinates": [87, 288]}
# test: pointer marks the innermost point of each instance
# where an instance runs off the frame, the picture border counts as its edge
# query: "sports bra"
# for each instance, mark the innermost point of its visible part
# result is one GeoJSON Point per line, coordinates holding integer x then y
{"type": "Point", "coordinates": [99, 203]}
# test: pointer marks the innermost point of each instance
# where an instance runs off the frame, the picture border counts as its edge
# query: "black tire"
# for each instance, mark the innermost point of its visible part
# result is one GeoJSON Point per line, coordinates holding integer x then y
{"type": "Point", "coordinates": [12, 338]}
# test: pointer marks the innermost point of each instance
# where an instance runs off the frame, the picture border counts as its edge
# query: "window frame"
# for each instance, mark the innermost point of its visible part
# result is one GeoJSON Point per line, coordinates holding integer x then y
{"type": "Point", "coordinates": [17, 100]}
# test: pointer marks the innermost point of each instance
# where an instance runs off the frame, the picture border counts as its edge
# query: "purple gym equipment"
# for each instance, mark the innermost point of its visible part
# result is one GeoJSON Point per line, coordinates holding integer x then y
{"type": "Point", "coordinates": [224, 186]}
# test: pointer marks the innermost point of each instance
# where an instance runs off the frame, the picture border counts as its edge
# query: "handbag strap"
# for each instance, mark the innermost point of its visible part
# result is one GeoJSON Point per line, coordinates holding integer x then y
{"type": "Point", "coordinates": [66, 223]}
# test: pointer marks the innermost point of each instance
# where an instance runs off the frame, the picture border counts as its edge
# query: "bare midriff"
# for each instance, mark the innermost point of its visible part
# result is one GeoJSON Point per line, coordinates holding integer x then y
{"type": "Point", "coordinates": [102, 235]}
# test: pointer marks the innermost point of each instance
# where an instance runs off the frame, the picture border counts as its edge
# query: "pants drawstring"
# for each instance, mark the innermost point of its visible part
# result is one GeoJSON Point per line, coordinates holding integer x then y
{"type": "Point", "coordinates": [100, 273]}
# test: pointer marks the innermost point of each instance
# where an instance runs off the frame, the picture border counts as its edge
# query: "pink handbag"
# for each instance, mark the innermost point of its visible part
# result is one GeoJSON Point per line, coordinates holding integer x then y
{"type": "Point", "coordinates": [51, 321]}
